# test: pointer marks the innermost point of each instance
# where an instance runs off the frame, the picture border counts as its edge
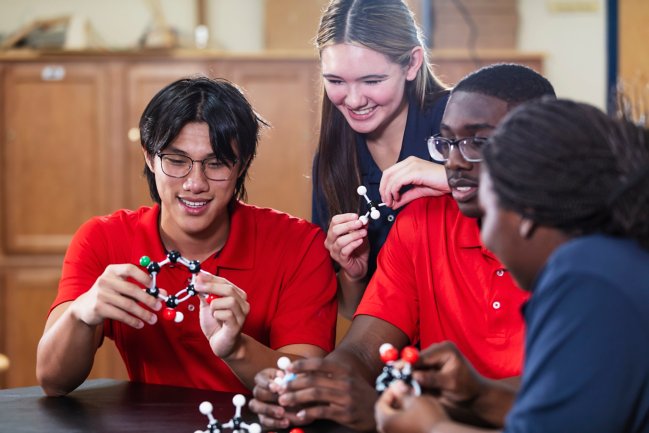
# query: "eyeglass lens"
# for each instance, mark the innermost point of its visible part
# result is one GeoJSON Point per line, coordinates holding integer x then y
{"type": "Point", "coordinates": [181, 166]}
{"type": "Point", "coordinates": [440, 148]}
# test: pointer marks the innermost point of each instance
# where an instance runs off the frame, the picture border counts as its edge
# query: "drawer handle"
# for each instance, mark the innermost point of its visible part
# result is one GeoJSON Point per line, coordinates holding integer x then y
{"type": "Point", "coordinates": [53, 73]}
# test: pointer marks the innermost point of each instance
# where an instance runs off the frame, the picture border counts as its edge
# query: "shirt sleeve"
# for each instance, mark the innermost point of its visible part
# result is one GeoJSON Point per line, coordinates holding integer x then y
{"type": "Point", "coordinates": [391, 294]}
{"type": "Point", "coordinates": [308, 307]}
{"type": "Point", "coordinates": [82, 264]}
{"type": "Point", "coordinates": [582, 371]}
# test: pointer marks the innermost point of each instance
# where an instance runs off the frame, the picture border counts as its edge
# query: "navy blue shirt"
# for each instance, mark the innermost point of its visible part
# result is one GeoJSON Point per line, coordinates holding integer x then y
{"type": "Point", "coordinates": [419, 126]}
{"type": "Point", "coordinates": [587, 344]}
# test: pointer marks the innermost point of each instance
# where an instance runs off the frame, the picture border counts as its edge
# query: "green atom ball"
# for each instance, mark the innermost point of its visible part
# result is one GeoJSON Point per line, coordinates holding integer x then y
{"type": "Point", "coordinates": [144, 261]}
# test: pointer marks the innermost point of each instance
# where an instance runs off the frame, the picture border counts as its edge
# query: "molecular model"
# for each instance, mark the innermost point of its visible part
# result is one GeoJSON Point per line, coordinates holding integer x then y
{"type": "Point", "coordinates": [286, 377]}
{"type": "Point", "coordinates": [372, 208]}
{"type": "Point", "coordinates": [397, 369]}
{"type": "Point", "coordinates": [172, 301]}
{"type": "Point", "coordinates": [236, 424]}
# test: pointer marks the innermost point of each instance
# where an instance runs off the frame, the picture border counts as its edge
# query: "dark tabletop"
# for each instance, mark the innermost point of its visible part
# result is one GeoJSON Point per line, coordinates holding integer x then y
{"type": "Point", "coordinates": [117, 406]}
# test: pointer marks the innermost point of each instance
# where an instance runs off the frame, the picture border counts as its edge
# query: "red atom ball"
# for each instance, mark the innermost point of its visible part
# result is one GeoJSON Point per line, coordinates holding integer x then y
{"type": "Point", "coordinates": [296, 430]}
{"type": "Point", "coordinates": [210, 298]}
{"type": "Point", "coordinates": [390, 355]}
{"type": "Point", "coordinates": [410, 354]}
{"type": "Point", "coordinates": [169, 314]}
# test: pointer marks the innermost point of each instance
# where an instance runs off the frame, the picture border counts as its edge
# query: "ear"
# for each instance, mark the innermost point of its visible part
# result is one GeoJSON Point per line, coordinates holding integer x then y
{"type": "Point", "coordinates": [526, 228]}
{"type": "Point", "coordinates": [148, 159]}
{"type": "Point", "coordinates": [416, 61]}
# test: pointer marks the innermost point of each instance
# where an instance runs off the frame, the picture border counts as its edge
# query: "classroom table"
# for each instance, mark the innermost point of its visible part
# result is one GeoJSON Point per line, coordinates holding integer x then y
{"type": "Point", "coordinates": [107, 405]}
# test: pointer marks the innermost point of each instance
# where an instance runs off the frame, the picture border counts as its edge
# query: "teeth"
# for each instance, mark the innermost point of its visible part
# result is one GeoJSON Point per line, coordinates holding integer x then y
{"type": "Point", "coordinates": [193, 203]}
{"type": "Point", "coordinates": [363, 111]}
{"type": "Point", "coordinates": [463, 188]}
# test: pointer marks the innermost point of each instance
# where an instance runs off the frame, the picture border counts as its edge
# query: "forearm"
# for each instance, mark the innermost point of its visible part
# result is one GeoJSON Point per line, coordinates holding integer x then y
{"type": "Point", "coordinates": [495, 401]}
{"type": "Point", "coordinates": [453, 427]}
{"type": "Point", "coordinates": [350, 293]}
{"type": "Point", "coordinates": [251, 356]}
{"type": "Point", "coordinates": [65, 354]}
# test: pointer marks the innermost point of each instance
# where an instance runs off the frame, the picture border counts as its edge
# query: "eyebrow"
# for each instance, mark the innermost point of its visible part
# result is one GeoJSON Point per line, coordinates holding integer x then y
{"type": "Point", "coordinates": [172, 149]}
{"type": "Point", "coordinates": [363, 78]}
{"type": "Point", "coordinates": [470, 127]}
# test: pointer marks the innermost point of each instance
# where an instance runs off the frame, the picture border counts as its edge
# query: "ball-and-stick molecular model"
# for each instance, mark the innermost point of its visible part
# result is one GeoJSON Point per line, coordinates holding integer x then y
{"type": "Point", "coordinates": [236, 424]}
{"type": "Point", "coordinates": [397, 369]}
{"type": "Point", "coordinates": [372, 208]}
{"type": "Point", "coordinates": [284, 377]}
{"type": "Point", "coordinates": [172, 301]}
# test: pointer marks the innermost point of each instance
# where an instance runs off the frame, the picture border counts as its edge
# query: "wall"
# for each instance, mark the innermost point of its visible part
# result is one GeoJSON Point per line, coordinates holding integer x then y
{"type": "Point", "coordinates": [235, 24]}
{"type": "Point", "coordinates": [574, 42]}
{"type": "Point", "coordinates": [575, 47]}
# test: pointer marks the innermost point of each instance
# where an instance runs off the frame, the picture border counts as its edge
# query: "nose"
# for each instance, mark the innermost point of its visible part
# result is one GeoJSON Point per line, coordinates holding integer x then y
{"type": "Point", "coordinates": [456, 161]}
{"type": "Point", "coordinates": [354, 98]}
{"type": "Point", "coordinates": [196, 181]}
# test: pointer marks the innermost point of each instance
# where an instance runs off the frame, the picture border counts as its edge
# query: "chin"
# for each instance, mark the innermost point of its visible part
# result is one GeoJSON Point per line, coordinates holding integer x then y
{"type": "Point", "coordinates": [471, 210]}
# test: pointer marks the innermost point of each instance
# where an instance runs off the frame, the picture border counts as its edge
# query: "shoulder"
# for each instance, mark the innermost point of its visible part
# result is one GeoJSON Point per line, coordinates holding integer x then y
{"type": "Point", "coordinates": [608, 258]}
{"type": "Point", "coordinates": [612, 274]}
{"type": "Point", "coordinates": [120, 221]}
{"type": "Point", "coordinates": [272, 222]}
{"type": "Point", "coordinates": [429, 210]}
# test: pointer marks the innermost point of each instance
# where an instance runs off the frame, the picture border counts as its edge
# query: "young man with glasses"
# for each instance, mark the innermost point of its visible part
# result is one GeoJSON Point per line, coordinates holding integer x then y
{"type": "Point", "coordinates": [262, 272]}
{"type": "Point", "coordinates": [434, 280]}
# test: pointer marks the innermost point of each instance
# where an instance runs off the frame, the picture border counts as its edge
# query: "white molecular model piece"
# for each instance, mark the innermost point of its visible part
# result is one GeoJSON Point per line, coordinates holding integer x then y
{"type": "Point", "coordinates": [172, 301]}
{"type": "Point", "coordinates": [372, 208]}
{"type": "Point", "coordinates": [236, 424]}
{"type": "Point", "coordinates": [282, 364]}
{"type": "Point", "coordinates": [401, 370]}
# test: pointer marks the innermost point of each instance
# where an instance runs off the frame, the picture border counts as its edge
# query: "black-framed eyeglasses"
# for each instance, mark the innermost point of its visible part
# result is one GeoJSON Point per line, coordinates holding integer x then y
{"type": "Point", "coordinates": [440, 148]}
{"type": "Point", "coordinates": [178, 166]}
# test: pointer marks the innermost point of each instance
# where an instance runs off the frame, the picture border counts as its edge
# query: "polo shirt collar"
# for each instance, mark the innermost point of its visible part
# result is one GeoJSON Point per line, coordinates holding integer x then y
{"type": "Point", "coordinates": [238, 251]}
{"type": "Point", "coordinates": [469, 236]}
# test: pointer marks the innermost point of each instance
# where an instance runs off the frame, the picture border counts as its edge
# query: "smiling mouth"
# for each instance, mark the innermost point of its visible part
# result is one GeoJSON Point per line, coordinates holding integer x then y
{"type": "Point", "coordinates": [193, 204]}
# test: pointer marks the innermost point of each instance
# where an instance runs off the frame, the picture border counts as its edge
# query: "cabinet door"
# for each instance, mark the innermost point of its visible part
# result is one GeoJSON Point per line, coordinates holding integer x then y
{"type": "Point", "coordinates": [25, 298]}
{"type": "Point", "coordinates": [53, 153]}
{"type": "Point", "coordinates": [285, 93]}
{"type": "Point", "coordinates": [143, 81]}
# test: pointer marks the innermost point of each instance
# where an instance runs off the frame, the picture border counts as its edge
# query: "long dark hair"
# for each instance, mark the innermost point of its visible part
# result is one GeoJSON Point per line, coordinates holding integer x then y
{"type": "Point", "coordinates": [568, 165]}
{"type": "Point", "coordinates": [231, 120]}
{"type": "Point", "coordinates": [387, 27]}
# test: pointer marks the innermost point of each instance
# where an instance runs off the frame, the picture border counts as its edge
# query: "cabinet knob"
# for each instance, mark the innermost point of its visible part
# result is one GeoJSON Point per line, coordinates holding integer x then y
{"type": "Point", "coordinates": [53, 73]}
{"type": "Point", "coordinates": [134, 134]}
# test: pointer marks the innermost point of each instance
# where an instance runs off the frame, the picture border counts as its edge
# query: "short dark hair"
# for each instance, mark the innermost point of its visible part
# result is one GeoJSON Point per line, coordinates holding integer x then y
{"type": "Point", "coordinates": [221, 105]}
{"type": "Point", "coordinates": [509, 82]}
{"type": "Point", "coordinates": [567, 165]}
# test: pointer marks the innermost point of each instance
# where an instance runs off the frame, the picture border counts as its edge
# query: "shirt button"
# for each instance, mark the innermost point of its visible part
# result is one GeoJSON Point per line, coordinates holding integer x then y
{"type": "Point", "coordinates": [500, 272]}
{"type": "Point", "coordinates": [390, 217]}
{"type": "Point", "coordinates": [496, 305]}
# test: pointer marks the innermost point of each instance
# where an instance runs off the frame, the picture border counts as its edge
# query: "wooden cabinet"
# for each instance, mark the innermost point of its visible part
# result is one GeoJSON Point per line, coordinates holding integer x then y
{"type": "Point", "coordinates": [70, 150]}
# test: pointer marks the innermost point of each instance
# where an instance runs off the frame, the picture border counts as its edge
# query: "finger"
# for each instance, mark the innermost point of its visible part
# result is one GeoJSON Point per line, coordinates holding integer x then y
{"type": "Point", "coordinates": [111, 312]}
{"type": "Point", "coordinates": [125, 297]}
{"type": "Point", "coordinates": [343, 218]}
{"type": "Point", "coordinates": [320, 366]}
{"type": "Point", "coordinates": [348, 250]}
{"type": "Point", "coordinates": [263, 408]}
{"type": "Point", "coordinates": [271, 423]}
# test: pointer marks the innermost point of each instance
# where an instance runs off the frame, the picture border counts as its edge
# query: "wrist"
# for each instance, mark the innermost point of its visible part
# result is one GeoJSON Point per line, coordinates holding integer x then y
{"type": "Point", "coordinates": [238, 351]}
{"type": "Point", "coordinates": [344, 275]}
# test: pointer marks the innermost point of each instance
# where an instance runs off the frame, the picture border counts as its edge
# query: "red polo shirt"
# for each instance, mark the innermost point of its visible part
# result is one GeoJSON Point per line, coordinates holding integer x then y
{"type": "Point", "coordinates": [435, 281]}
{"type": "Point", "coordinates": [278, 260]}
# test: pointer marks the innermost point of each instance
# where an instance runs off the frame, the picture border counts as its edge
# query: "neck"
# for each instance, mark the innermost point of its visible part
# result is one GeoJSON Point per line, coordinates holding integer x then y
{"type": "Point", "coordinates": [199, 245]}
{"type": "Point", "coordinates": [544, 242]}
